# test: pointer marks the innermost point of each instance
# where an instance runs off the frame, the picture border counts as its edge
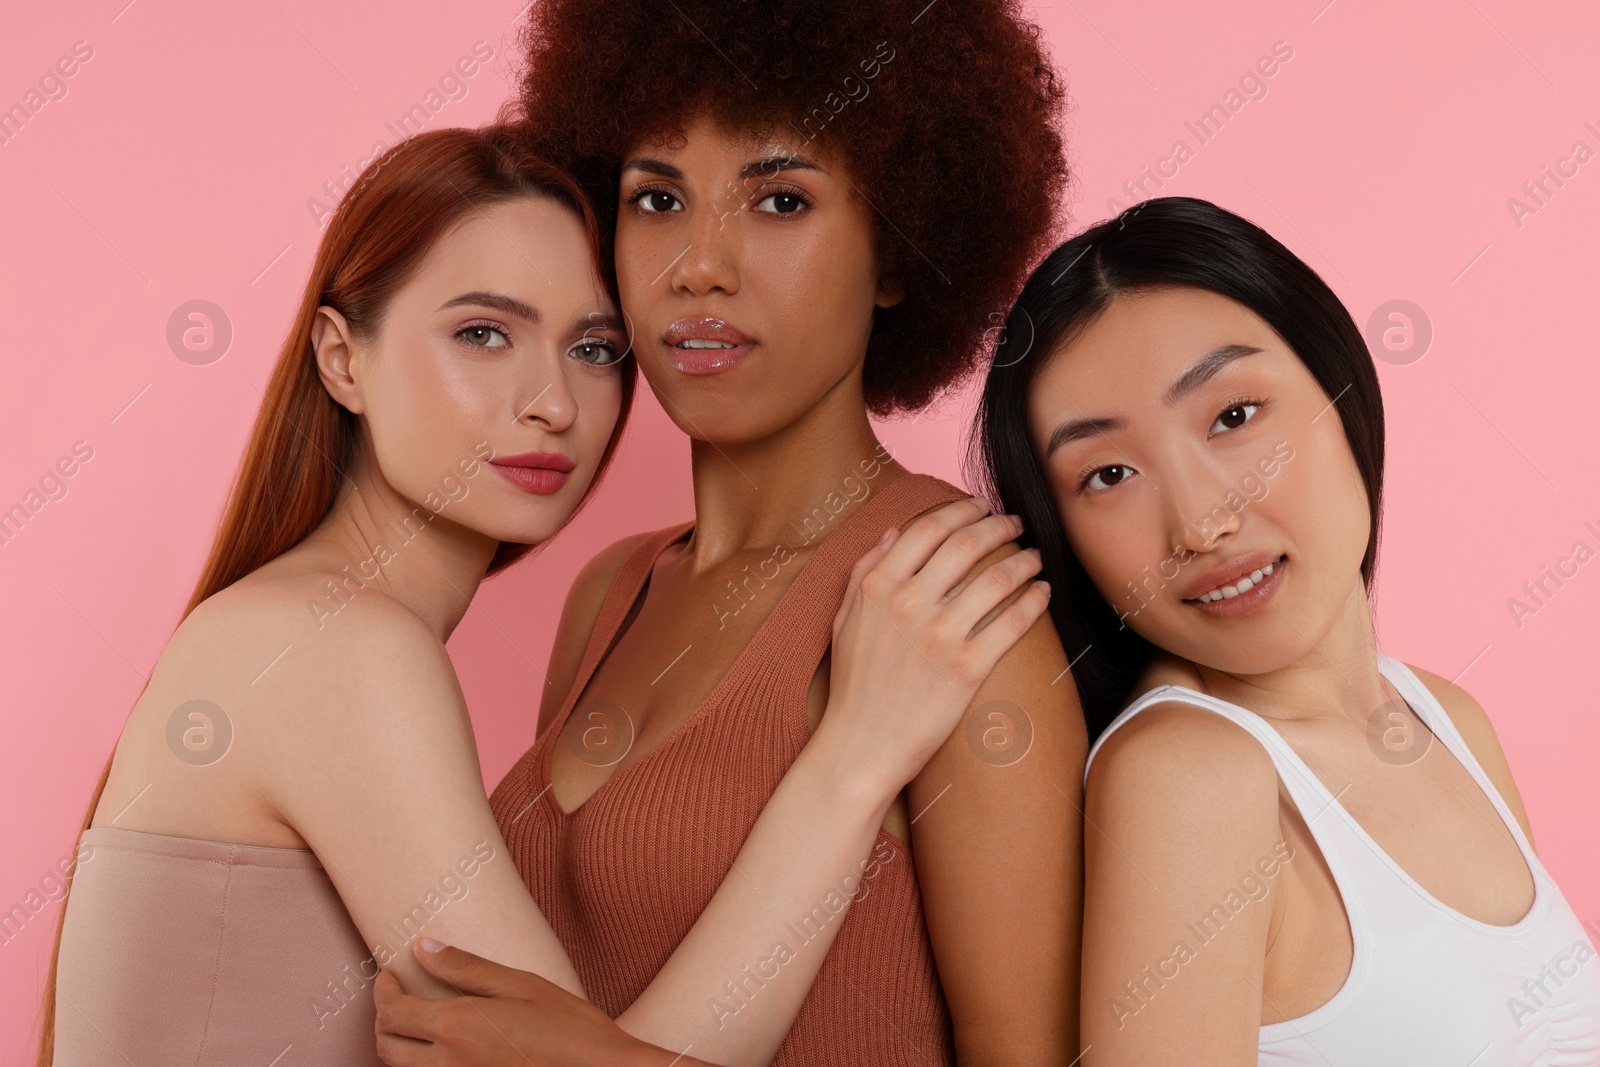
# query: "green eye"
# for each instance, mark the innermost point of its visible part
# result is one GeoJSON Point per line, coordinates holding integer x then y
{"type": "Point", "coordinates": [479, 335]}
{"type": "Point", "coordinates": [596, 352]}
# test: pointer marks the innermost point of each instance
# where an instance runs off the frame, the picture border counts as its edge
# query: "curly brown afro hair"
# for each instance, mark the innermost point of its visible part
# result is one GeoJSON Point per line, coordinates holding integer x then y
{"type": "Point", "coordinates": [948, 113]}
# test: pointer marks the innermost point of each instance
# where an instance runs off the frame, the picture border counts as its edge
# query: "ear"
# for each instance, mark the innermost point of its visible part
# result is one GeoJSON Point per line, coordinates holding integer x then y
{"type": "Point", "coordinates": [337, 363]}
{"type": "Point", "coordinates": [890, 291]}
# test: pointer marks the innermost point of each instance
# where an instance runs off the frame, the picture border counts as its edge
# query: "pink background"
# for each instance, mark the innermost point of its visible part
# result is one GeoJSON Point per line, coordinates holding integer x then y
{"type": "Point", "coordinates": [179, 165]}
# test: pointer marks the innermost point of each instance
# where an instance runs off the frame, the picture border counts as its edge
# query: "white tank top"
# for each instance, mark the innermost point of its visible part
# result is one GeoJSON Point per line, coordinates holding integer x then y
{"type": "Point", "coordinates": [1427, 985]}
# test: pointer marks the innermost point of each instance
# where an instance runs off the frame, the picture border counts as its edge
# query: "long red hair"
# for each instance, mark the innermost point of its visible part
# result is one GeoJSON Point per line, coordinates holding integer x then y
{"type": "Point", "coordinates": [304, 441]}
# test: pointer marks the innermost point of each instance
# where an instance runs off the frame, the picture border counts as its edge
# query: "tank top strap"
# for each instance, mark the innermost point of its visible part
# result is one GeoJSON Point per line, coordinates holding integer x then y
{"type": "Point", "coordinates": [1427, 706]}
{"type": "Point", "coordinates": [802, 627]}
{"type": "Point", "coordinates": [614, 608]}
{"type": "Point", "coordinates": [1305, 788]}
{"type": "Point", "coordinates": [1359, 872]}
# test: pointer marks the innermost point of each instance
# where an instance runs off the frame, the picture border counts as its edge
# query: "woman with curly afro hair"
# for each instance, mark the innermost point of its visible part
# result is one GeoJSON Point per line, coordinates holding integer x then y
{"type": "Point", "coordinates": [817, 211]}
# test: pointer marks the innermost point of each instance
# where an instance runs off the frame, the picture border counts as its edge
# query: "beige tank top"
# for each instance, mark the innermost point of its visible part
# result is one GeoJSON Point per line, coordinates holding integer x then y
{"type": "Point", "coordinates": [177, 951]}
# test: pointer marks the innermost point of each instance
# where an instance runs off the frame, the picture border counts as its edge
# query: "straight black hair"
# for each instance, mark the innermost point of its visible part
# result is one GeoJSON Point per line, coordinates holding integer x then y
{"type": "Point", "coordinates": [1166, 242]}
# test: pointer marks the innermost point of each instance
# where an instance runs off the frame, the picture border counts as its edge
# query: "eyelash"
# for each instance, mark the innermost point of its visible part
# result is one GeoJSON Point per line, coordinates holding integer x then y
{"type": "Point", "coordinates": [798, 194]}
{"type": "Point", "coordinates": [495, 327]}
{"type": "Point", "coordinates": [1238, 402]}
{"type": "Point", "coordinates": [597, 342]}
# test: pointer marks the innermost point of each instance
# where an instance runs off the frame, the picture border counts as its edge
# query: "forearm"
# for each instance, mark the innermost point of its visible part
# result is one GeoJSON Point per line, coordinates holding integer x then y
{"type": "Point", "coordinates": [812, 840]}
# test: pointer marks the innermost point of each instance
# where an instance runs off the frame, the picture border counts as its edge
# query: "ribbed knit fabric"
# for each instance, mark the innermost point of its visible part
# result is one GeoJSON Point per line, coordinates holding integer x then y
{"type": "Point", "coordinates": [624, 876]}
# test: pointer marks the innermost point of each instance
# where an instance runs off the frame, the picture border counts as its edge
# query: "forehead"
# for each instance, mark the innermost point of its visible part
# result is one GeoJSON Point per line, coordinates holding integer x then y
{"type": "Point", "coordinates": [705, 133]}
{"type": "Point", "coordinates": [531, 247]}
{"type": "Point", "coordinates": [1146, 337]}
{"type": "Point", "coordinates": [1128, 358]}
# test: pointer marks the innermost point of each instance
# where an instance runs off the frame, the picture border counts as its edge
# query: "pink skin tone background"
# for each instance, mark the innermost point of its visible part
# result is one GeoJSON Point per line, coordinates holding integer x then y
{"type": "Point", "coordinates": [179, 164]}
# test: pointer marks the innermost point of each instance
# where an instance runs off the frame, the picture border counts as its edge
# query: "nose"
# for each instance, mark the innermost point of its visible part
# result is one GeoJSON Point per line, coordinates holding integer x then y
{"type": "Point", "coordinates": [1194, 505]}
{"type": "Point", "coordinates": [543, 396]}
{"type": "Point", "coordinates": [710, 260]}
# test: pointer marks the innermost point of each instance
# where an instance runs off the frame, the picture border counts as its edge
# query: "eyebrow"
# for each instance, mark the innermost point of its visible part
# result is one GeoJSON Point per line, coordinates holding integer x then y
{"type": "Point", "coordinates": [768, 166]}
{"type": "Point", "coordinates": [1198, 373]}
{"type": "Point", "coordinates": [605, 320]}
{"type": "Point", "coordinates": [499, 301]}
{"type": "Point", "coordinates": [510, 305]}
{"type": "Point", "coordinates": [1204, 369]}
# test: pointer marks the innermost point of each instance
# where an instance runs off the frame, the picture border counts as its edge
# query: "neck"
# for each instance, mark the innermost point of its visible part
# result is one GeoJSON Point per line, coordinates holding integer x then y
{"type": "Point", "coordinates": [794, 486]}
{"type": "Point", "coordinates": [1336, 678]}
{"type": "Point", "coordinates": [387, 542]}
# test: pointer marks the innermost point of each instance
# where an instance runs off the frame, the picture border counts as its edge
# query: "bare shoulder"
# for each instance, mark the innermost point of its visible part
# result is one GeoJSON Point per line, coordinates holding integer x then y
{"type": "Point", "coordinates": [1473, 723]}
{"type": "Point", "coordinates": [1035, 667]}
{"type": "Point", "coordinates": [305, 623]}
{"type": "Point", "coordinates": [578, 617]}
{"type": "Point", "coordinates": [294, 709]}
{"type": "Point", "coordinates": [1183, 806]}
{"type": "Point", "coordinates": [370, 674]}
{"type": "Point", "coordinates": [1186, 761]}
{"type": "Point", "coordinates": [594, 580]}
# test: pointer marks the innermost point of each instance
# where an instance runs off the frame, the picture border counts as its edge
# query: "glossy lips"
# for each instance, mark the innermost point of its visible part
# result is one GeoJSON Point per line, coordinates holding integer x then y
{"type": "Point", "coordinates": [537, 472]}
{"type": "Point", "coordinates": [1240, 586]}
{"type": "Point", "coordinates": [705, 345]}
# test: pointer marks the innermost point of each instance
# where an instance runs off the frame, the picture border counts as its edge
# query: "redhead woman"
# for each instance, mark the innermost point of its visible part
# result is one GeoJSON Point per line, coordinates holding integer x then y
{"type": "Point", "coordinates": [295, 800]}
{"type": "Point", "coordinates": [810, 226]}
{"type": "Point", "coordinates": [1307, 851]}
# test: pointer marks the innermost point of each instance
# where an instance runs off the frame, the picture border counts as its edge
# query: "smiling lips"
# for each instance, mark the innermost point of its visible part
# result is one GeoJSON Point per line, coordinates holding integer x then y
{"type": "Point", "coordinates": [537, 472]}
{"type": "Point", "coordinates": [1238, 587]}
{"type": "Point", "coordinates": [705, 345]}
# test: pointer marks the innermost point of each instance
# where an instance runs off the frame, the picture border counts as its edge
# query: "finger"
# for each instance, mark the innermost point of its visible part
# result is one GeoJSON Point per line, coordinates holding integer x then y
{"type": "Point", "coordinates": [1007, 628]}
{"type": "Point", "coordinates": [990, 588]}
{"type": "Point", "coordinates": [870, 559]}
{"type": "Point", "coordinates": [922, 536]}
{"type": "Point", "coordinates": [860, 570]}
{"type": "Point", "coordinates": [954, 561]}
{"type": "Point", "coordinates": [468, 973]}
{"type": "Point", "coordinates": [405, 1051]}
{"type": "Point", "coordinates": [398, 1013]}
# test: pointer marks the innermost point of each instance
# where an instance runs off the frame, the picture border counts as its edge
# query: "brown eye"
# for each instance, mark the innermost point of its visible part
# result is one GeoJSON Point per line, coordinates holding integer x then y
{"type": "Point", "coordinates": [654, 201]}
{"type": "Point", "coordinates": [1106, 476]}
{"type": "Point", "coordinates": [783, 203]}
{"type": "Point", "coordinates": [1235, 416]}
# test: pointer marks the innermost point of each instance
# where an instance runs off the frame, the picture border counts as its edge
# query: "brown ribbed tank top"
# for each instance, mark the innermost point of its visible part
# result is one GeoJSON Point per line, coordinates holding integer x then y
{"type": "Point", "coordinates": [624, 876]}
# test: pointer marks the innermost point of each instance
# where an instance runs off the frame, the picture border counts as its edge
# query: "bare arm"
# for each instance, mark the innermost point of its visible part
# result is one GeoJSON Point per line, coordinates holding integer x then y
{"type": "Point", "coordinates": [370, 758]}
{"type": "Point", "coordinates": [997, 842]}
{"type": "Point", "coordinates": [814, 834]}
{"type": "Point", "coordinates": [1182, 806]}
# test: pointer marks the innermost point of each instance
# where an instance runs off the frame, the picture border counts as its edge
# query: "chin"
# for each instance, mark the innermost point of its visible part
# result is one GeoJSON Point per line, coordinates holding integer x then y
{"type": "Point", "coordinates": [728, 420]}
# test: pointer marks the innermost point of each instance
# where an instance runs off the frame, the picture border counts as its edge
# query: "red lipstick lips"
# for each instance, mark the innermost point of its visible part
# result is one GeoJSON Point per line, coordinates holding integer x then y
{"type": "Point", "coordinates": [537, 472]}
{"type": "Point", "coordinates": [705, 345]}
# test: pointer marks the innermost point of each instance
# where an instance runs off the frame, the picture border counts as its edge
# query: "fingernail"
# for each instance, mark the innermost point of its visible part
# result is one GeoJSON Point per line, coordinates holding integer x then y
{"type": "Point", "coordinates": [430, 945]}
{"type": "Point", "coordinates": [886, 535]}
{"type": "Point", "coordinates": [981, 502]}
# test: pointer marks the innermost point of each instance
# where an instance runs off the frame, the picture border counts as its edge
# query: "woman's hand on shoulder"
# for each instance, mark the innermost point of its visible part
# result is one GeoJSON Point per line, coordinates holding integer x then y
{"type": "Point", "coordinates": [907, 652]}
{"type": "Point", "coordinates": [1182, 826]}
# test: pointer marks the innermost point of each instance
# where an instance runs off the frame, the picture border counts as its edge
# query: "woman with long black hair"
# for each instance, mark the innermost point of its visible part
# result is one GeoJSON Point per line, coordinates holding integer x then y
{"type": "Point", "coordinates": [1190, 426]}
